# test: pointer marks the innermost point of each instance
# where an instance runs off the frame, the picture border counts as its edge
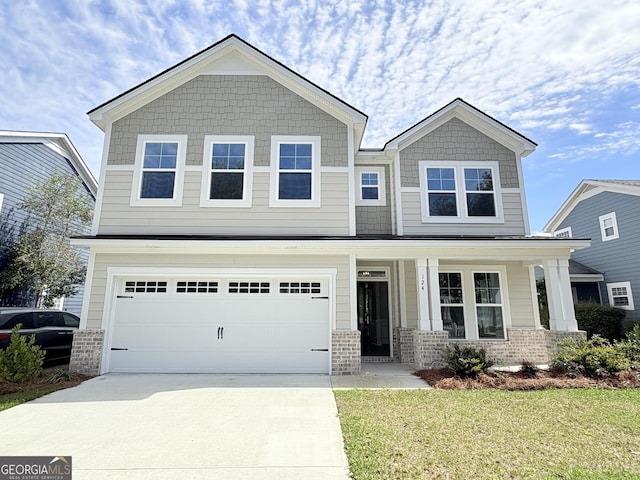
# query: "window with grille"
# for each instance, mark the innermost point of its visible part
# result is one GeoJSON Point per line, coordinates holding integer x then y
{"type": "Point", "coordinates": [300, 287]}
{"type": "Point", "coordinates": [145, 286]}
{"type": "Point", "coordinates": [249, 287]}
{"type": "Point", "coordinates": [196, 286]}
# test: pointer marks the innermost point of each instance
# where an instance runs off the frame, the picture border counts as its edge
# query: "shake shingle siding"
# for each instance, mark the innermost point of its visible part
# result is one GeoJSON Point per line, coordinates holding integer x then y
{"type": "Point", "coordinates": [617, 259]}
{"type": "Point", "coordinates": [21, 164]}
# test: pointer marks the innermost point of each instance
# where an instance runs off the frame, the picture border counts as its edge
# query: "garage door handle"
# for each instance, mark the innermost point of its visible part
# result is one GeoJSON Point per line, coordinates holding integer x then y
{"type": "Point", "coordinates": [222, 332]}
{"type": "Point", "coordinates": [319, 349]}
{"type": "Point", "coordinates": [116, 348]}
{"type": "Point", "coordinates": [124, 296]}
{"type": "Point", "coordinates": [218, 333]}
{"type": "Point", "coordinates": [319, 298]}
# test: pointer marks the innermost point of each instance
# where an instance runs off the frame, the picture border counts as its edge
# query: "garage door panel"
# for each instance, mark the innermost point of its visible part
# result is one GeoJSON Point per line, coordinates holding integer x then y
{"type": "Point", "coordinates": [220, 332]}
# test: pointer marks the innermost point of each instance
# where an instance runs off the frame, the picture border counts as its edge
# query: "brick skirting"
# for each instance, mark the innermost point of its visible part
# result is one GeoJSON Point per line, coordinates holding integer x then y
{"type": "Point", "coordinates": [522, 344]}
{"type": "Point", "coordinates": [345, 349]}
{"type": "Point", "coordinates": [86, 352]}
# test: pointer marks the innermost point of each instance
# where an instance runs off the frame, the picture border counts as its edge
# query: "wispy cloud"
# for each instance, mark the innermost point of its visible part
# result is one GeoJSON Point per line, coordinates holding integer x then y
{"type": "Point", "coordinates": [554, 70]}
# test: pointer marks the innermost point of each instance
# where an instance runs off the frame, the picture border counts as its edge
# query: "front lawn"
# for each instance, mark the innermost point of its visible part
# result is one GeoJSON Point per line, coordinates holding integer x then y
{"type": "Point", "coordinates": [478, 434]}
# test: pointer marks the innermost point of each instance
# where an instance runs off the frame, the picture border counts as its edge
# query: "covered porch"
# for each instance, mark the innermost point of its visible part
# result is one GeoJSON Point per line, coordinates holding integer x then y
{"type": "Point", "coordinates": [475, 292]}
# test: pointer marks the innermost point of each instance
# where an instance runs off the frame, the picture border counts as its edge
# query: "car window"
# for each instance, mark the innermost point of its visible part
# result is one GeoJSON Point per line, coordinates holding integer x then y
{"type": "Point", "coordinates": [26, 319]}
{"type": "Point", "coordinates": [71, 320]}
{"type": "Point", "coordinates": [49, 319]}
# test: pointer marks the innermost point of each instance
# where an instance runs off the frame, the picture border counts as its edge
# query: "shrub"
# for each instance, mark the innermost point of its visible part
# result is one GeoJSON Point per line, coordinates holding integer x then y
{"type": "Point", "coordinates": [528, 369]}
{"type": "Point", "coordinates": [597, 319]}
{"type": "Point", "coordinates": [595, 357]}
{"type": "Point", "coordinates": [22, 359]}
{"type": "Point", "coordinates": [467, 361]}
{"type": "Point", "coordinates": [630, 346]}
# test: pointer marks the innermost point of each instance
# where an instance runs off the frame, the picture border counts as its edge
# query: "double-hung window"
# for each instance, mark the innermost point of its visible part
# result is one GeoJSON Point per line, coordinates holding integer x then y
{"type": "Point", "coordinates": [370, 186]}
{"type": "Point", "coordinates": [295, 171]}
{"type": "Point", "coordinates": [474, 302]}
{"type": "Point", "coordinates": [620, 295]}
{"type": "Point", "coordinates": [452, 304]}
{"type": "Point", "coordinates": [488, 305]}
{"type": "Point", "coordinates": [227, 171]}
{"type": "Point", "coordinates": [608, 226]}
{"type": "Point", "coordinates": [159, 170]}
{"type": "Point", "coordinates": [460, 192]}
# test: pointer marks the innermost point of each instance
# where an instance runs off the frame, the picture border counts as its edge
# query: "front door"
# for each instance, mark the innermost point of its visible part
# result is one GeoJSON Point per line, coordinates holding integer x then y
{"type": "Point", "coordinates": [373, 318]}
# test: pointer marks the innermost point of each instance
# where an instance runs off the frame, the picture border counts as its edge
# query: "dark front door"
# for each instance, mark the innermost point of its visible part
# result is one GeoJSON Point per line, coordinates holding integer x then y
{"type": "Point", "coordinates": [373, 318]}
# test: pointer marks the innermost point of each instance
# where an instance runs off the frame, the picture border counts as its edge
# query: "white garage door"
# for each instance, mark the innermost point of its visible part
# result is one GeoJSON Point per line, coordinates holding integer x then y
{"type": "Point", "coordinates": [218, 325]}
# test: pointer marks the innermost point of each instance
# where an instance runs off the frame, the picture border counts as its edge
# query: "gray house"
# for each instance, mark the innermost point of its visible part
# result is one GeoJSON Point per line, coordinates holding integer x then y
{"type": "Point", "coordinates": [240, 228]}
{"type": "Point", "coordinates": [25, 157]}
{"type": "Point", "coordinates": [608, 212]}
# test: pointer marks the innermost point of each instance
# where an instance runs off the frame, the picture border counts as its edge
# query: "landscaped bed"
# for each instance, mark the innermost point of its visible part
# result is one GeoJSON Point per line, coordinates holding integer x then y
{"type": "Point", "coordinates": [445, 378]}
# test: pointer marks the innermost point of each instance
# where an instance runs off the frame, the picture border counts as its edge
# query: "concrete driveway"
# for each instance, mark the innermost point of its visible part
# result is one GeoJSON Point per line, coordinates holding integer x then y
{"type": "Point", "coordinates": [185, 426]}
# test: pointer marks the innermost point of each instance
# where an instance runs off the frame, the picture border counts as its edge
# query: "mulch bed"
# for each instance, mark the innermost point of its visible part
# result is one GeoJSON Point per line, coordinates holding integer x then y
{"type": "Point", "coordinates": [446, 379]}
{"type": "Point", "coordinates": [41, 383]}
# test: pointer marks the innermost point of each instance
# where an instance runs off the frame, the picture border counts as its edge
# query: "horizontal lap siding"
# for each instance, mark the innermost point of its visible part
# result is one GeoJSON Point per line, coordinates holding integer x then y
{"type": "Point", "coordinates": [117, 217]}
{"type": "Point", "coordinates": [513, 219]}
{"type": "Point", "coordinates": [251, 262]}
{"type": "Point", "coordinates": [520, 295]}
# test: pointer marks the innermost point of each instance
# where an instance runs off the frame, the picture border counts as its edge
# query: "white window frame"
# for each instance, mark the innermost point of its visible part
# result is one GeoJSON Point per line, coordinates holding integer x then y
{"type": "Point", "coordinates": [461, 197]}
{"type": "Point", "coordinates": [274, 184]}
{"type": "Point", "coordinates": [629, 295]}
{"type": "Point", "coordinates": [247, 183]}
{"type": "Point", "coordinates": [469, 296]}
{"type": "Point", "coordinates": [178, 186]}
{"type": "Point", "coordinates": [602, 219]}
{"type": "Point", "coordinates": [381, 201]}
{"type": "Point", "coordinates": [1, 200]}
{"type": "Point", "coordinates": [563, 233]}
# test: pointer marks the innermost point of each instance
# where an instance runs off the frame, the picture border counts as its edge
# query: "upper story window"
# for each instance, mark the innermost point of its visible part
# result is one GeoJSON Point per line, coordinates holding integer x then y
{"type": "Point", "coordinates": [227, 171]}
{"type": "Point", "coordinates": [159, 170]}
{"type": "Point", "coordinates": [460, 192]}
{"type": "Point", "coordinates": [620, 295]}
{"type": "Point", "coordinates": [563, 233]}
{"type": "Point", "coordinates": [608, 226]}
{"type": "Point", "coordinates": [370, 187]}
{"type": "Point", "coordinates": [295, 171]}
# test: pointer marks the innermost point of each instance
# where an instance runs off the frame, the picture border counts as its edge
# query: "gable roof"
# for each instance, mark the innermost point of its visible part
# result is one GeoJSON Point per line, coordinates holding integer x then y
{"type": "Point", "coordinates": [61, 144]}
{"type": "Point", "coordinates": [586, 189]}
{"type": "Point", "coordinates": [231, 55]}
{"type": "Point", "coordinates": [472, 116]}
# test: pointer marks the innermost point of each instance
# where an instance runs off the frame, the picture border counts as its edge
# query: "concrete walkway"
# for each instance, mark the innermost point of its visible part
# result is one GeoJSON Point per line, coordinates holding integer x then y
{"type": "Point", "coordinates": [381, 375]}
{"type": "Point", "coordinates": [162, 427]}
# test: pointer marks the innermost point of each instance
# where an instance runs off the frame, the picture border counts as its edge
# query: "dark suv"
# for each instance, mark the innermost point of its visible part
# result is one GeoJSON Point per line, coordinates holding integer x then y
{"type": "Point", "coordinates": [53, 329]}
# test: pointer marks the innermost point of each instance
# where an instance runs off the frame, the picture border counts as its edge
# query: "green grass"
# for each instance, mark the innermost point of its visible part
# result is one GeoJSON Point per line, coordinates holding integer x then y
{"type": "Point", "coordinates": [12, 399]}
{"type": "Point", "coordinates": [478, 434]}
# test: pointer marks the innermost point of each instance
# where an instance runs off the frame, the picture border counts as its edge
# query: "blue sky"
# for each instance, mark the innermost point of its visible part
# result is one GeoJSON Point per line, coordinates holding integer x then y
{"type": "Point", "coordinates": [565, 73]}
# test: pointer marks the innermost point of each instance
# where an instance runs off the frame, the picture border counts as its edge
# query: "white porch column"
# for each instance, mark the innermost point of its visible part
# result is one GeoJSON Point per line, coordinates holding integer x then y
{"type": "Point", "coordinates": [422, 293]}
{"type": "Point", "coordinates": [568, 310]}
{"type": "Point", "coordinates": [434, 294]}
{"type": "Point", "coordinates": [554, 299]}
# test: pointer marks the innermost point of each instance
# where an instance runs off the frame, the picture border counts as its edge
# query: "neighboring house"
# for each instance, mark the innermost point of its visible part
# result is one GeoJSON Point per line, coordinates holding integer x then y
{"type": "Point", "coordinates": [608, 212]}
{"type": "Point", "coordinates": [240, 228]}
{"type": "Point", "coordinates": [26, 157]}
